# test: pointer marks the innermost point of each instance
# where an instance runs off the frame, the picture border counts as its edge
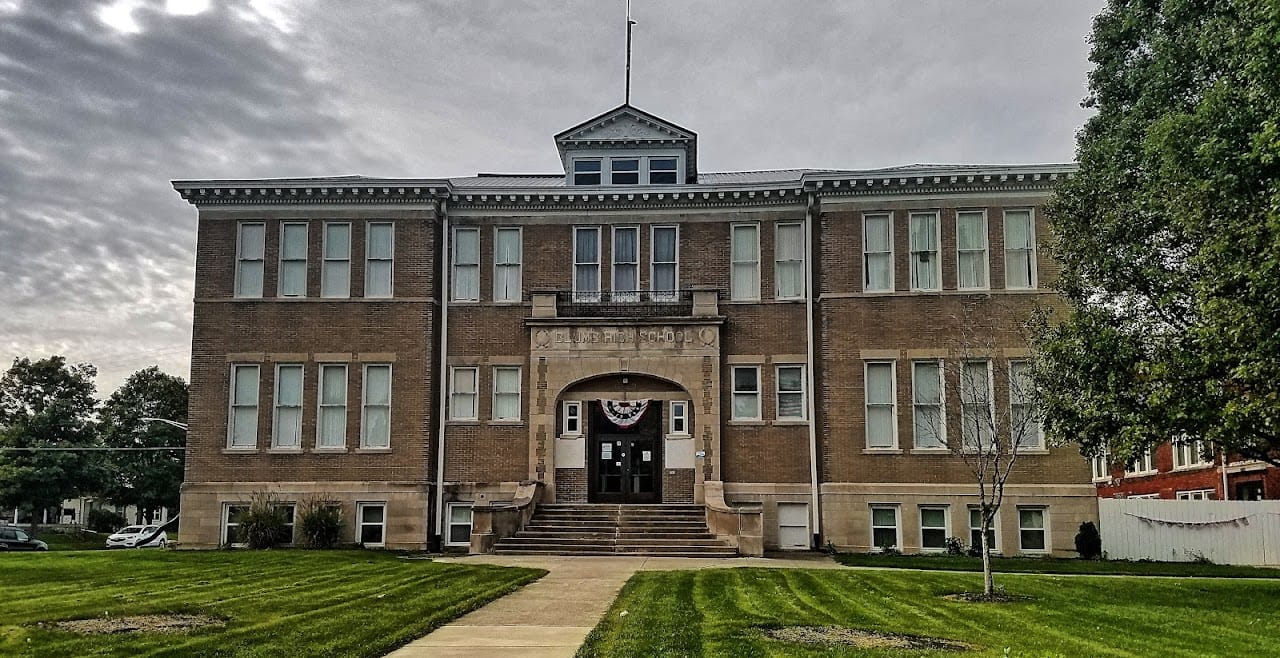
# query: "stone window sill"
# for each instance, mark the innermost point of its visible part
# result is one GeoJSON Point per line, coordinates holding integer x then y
{"type": "Point", "coordinates": [505, 423]}
{"type": "Point", "coordinates": [329, 451]}
{"type": "Point", "coordinates": [284, 451]}
{"type": "Point", "coordinates": [373, 451]}
{"type": "Point", "coordinates": [882, 451]}
{"type": "Point", "coordinates": [239, 451]}
{"type": "Point", "coordinates": [930, 451]}
{"type": "Point", "coordinates": [796, 422]}
{"type": "Point", "coordinates": [746, 423]}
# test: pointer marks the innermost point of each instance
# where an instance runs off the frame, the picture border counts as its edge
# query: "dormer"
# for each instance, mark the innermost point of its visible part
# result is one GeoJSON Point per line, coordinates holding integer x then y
{"type": "Point", "coordinates": [628, 147]}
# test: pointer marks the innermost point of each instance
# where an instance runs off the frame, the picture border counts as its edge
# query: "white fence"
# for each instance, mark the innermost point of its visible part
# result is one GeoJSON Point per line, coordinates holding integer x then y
{"type": "Point", "coordinates": [1223, 531]}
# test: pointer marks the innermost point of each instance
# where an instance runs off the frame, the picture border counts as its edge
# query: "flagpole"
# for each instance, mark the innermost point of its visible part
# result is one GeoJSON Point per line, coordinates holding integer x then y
{"type": "Point", "coordinates": [629, 24]}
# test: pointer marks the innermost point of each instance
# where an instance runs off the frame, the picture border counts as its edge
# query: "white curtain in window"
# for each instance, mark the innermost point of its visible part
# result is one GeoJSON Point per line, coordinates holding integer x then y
{"type": "Point", "coordinates": [250, 264]}
{"type": "Point", "coordinates": [466, 265]}
{"type": "Point", "coordinates": [586, 259]}
{"type": "Point", "coordinates": [664, 260]}
{"type": "Point", "coordinates": [506, 262]}
{"type": "Point", "coordinates": [293, 260]}
{"type": "Point", "coordinates": [1019, 249]}
{"type": "Point", "coordinates": [746, 393]}
{"type": "Point", "coordinates": [745, 278]}
{"type": "Point", "coordinates": [333, 406]}
{"type": "Point", "coordinates": [244, 410]}
{"type": "Point", "coordinates": [626, 257]}
{"type": "Point", "coordinates": [377, 406]}
{"type": "Point", "coordinates": [379, 262]}
{"type": "Point", "coordinates": [289, 406]}
{"type": "Point", "coordinates": [971, 245]}
{"type": "Point", "coordinates": [928, 405]}
{"type": "Point", "coordinates": [506, 400]}
{"type": "Point", "coordinates": [335, 279]}
{"type": "Point", "coordinates": [975, 399]}
{"type": "Point", "coordinates": [880, 405]}
{"type": "Point", "coordinates": [463, 400]}
{"type": "Point", "coordinates": [878, 253]}
{"type": "Point", "coordinates": [924, 252]}
{"type": "Point", "coordinates": [790, 261]}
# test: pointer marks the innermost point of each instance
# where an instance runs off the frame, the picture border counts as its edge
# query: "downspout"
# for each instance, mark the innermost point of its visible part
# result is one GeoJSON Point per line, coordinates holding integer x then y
{"type": "Point", "coordinates": [443, 379]}
{"type": "Point", "coordinates": [810, 266]}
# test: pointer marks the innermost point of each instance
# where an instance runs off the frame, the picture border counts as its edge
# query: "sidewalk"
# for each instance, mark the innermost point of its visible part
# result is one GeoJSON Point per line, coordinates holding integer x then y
{"type": "Point", "coordinates": [552, 616]}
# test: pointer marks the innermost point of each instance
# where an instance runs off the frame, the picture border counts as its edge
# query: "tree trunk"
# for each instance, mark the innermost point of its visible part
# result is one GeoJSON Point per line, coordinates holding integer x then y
{"type": "Point", "coordinates": [35, 518]}
{"type": "Point", "coordinates": [988, 579]}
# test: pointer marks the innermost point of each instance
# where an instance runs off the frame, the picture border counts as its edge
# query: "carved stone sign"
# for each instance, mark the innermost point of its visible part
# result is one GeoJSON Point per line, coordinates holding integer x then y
{"type": "Point", "coordinates": [605, 338]}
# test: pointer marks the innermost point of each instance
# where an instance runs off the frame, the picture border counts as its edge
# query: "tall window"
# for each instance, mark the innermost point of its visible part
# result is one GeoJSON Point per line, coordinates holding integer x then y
{"type": "Point", "coordinates": [331, 428]}
{"type": "Point", "coordinates": [926, 267]}
{"type": "Point", "coordinates": [929, 422]}
{"type": "Point", "coordinates": [789, 262]}
{"type": "Point", "coordinates": [466, 264]}
{"type": "Point", "coordinates": [791, 404]}
{"type": "Point", "coordinates": [231, 522]}
{"type": "Point", "coordinates": [1100, 464]}
{"type": "Point", "coordinates": [242, 429]}
{"type": "Point", "coordinates": [975, 532]}
{"type": "Point", "coordinates": [884, 527]}
{"type": "Point", "coordinates": [626, 263]}
{"type": "Point", "coordinates": [1023, 421]}
{"type": "Point", "coordinates": [250, 252]}
{"type": "Point", "coordinates": [933, 528]}
{"type": "Point", "coordinates": [877, 253]}
{"type": "Point", "coordinates": [662, 171]}
{"type": "Point", "coordinates": [586, 263]}
{"type": "Point", "coordinates": [1190, 453]}
{"type": "Point", "coordinates": [379, 259]}
{"type": "Point", "coordinates": [971, 249]}
{"type": "Point", "coordinates": [664, 265]}
{"type": "Point", "coordinates": [375, 414]}
{"type": "Point", "coordinates": [371, 523]}
{"type": "Point", "coordinates": [586, 172]}
{"type": "Point", "coordinates": [744, 281]}
{"type": "Point", "coordinates": [462, 394]}
{"type": "Point", "coordinates": [506, 393]}
{"type": "Point", "coordinates": [1032, 530]}
{"type": "Point", "coordinates": [335, 270]}
{"type": "Point", "coordinates": [1019, 249]}
{"type": "Point", "coordinates": [881, 405]}
{"type": "Point", "coordinates": [288, 413]}
{"type": "Point", "coordinates": [1143, 463]}
{"type": "Point", "coordinates": [746, 393]}
{"type": "Point", "coordinates": [976, 424]}
{"type": "Point", "coordinates": [293, 260]}
{"type": "Point", "coordinates": [507, 257]}
{"type": "Point", "coordinates": [624, 171]}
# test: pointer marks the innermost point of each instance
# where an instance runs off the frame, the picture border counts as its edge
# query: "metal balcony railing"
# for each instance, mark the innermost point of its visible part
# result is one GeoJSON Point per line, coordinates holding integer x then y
{"type": "Point", "coordinates": [613, 304]}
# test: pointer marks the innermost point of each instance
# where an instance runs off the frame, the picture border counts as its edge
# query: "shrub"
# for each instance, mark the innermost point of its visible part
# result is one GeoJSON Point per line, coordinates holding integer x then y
{"type": "Point", "coordinates": [1088, 541]}
{"type": "Point", "coordinates": [319, 523]}
{"type": "Point", "coordinates": [955, 546]}
{"type": "Point", "coordinates": [263, 522]}
{"type": "Point", "coordinates": [105, 520]}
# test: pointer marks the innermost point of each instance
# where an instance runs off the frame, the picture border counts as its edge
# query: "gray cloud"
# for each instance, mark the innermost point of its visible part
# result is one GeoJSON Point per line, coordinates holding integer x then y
{"type": "Point", "coordinates": [96, 250]}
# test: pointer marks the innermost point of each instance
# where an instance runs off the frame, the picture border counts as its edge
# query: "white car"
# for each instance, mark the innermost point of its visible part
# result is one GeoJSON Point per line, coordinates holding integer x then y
{"type": "Point", "coordinates": [129, 536]}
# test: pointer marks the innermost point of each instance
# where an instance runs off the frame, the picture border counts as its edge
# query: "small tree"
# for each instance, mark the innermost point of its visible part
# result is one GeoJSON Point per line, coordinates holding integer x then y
{"type": "Point", "coordinates": [147, 479]}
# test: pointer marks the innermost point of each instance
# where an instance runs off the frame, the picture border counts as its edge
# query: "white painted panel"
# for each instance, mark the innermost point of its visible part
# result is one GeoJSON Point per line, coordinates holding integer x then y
{"type": "Point", "coordinates": [793, 526]}
{"type": "Point", "coordinates": [1223, 531]}
{"type": "Point", "coordinates": [571, 453]}
{"type": "Point", "coordinates": [678, 453]}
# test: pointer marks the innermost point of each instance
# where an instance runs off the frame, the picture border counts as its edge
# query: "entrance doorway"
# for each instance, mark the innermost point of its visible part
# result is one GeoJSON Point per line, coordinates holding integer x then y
{"type": "Point", "coordinates": [625, 465]}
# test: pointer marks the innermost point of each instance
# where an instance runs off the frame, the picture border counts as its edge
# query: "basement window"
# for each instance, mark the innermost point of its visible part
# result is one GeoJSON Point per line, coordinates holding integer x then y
{"type": "Point", "coordinates": [459, 530]}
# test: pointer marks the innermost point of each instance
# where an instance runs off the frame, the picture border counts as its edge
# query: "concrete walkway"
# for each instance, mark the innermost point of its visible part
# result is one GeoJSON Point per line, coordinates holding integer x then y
{"type": "Point", "coordinates": [552, 616]}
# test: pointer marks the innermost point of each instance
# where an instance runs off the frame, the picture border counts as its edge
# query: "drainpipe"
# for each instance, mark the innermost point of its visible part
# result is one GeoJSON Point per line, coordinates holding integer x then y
{"type": "Point", "coordinates": [443, 379]}
{"type": "Point", "coordinates": [1222, 465]}
{"type": "Point", "coordinates": [811, 290]}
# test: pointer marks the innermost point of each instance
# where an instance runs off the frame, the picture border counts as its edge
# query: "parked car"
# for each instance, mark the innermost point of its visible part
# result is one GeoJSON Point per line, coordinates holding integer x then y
{"type": "Point", "coordinates": [129, 536]}
{"type": "Point", "coordinates": [13, 539]}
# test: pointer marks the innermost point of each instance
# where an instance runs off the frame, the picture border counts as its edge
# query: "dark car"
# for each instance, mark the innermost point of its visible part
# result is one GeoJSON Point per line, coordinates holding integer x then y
{"type": "Point", "coordinates": [13, 539]}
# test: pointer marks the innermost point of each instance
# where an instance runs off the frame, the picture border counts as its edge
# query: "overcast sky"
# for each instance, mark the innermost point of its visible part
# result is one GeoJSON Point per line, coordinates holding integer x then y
{"type": "Point", "coordinates": [103, 103]}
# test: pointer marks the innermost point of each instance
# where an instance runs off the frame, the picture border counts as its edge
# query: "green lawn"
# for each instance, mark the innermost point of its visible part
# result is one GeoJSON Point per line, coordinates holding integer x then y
{"type": "Point", "coordinates": [275, 603]}
{"type": "Point", "coordinates": [721, 612]}
{"type": "Point", "coordinates": [1053, 566]}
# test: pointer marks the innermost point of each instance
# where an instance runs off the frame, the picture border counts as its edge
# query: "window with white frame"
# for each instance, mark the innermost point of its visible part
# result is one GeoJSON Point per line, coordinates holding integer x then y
{"type": "Point", "coordinates": [572, 418]}
{"type": "Point", "coordinates": [975, 532]}
{"type": "Point", "coordinates": [1033, 530]}
{"type": "Point", "coordinates": [242, 429]}
{"type": "Point", "coordinates": [877, 252]}
{"type": "Point", "coordinates": [664, 262]}
{"type": "Point", "coordinates": [507, 259]}
{"type": "Point", "coordinates": [462, 393]}
{"type": "Point", "coordinates": [331, 426]}
{"type": "Point", "coordinates": [335, 269]}
{"type": "Point", "coordinates": [1019, 249]}
{"type": "Point", "coordinates": [789, 262]}
{"type": "Point", "coordinates": [1150, 496]}
{"type": "Point", "coordinates": [624, 171]}
{"type": "Point", "coordinates": [466, 264]}
{"type": "Point", "coordinates": [1100, 465]}
{"type": "Point", "coordinates": [293, 260]}
{"type": "Point", "coordinates": [976, 418]}
{"type": "Point", "coordinates": [1024, 422]}
{"type": "Point", "coordinates": [286, 512]}
{"type": "Point", "coordinates": [791, 402]}
{"type": "Point", "coordinates": [746, 393]}
{"type": "Point", "coordinates": [506, 393]}
{"type": "Point", "coordinates": [371, 524]}
{"type": "Point", "coordinates": [679, 418]}
{"type": "Point", "coordinates": [1142, 463]}
{"type": "Point", "coordinates": [231, 522]}
{"type": "Point", "coordinates": [664, 171]}
{"type": "Point", "coordinates": [288, 412]}
{"type": "Point", "coordinates": [744, 283]}
{"type": "Point", "coordinates": [933, 528]}
{"type": "Point", "coordinates": [1190, 453]}
{"type": "Point", "coordinates": [881, 405]}
{"type": "Point", "coordinates": [971, 249]}
{"type": "Point", "coordinates": [928, 420]}
{"type": "Point", "coordinates": [459, 531]}
{"type": "Point", "coordinates": [375, 414]}
{"type": "Point", "coordinates": [250, 254]}
{"type": "Point", "coordinates": [586, 263]}
{"type": "Point", "coordinates": [626, 263]}
{"type": "Point", "coordinates": [884, 527]}
{"type": "Point", "coordinates": [1198, 494]}
{"type": "Point", "coordinates": [379, 259]}
{"type": "Point", "coordinates": [926, 267]}
{"type": "Point", "coordinates": [586, 171]}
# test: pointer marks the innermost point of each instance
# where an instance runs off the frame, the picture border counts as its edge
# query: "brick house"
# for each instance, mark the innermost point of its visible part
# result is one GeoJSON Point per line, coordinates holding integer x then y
{"type": "Point", "coordinates": [1185, 470]}
{"type": "Point", "coordinates": [411, 348]}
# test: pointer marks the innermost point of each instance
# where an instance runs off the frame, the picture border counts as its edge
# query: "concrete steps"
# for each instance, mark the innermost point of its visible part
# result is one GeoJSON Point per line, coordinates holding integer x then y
{"type": "Point", "coordinates": [586, 529]}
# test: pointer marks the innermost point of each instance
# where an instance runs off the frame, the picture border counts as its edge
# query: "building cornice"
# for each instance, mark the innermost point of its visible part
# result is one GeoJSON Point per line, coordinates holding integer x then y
{"type": "Point", "coordinates": [352, 191]}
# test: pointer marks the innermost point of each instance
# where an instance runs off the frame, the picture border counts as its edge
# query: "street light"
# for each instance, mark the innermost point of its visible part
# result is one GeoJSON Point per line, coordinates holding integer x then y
{"type": "Point", "coordinates": [166, 421]}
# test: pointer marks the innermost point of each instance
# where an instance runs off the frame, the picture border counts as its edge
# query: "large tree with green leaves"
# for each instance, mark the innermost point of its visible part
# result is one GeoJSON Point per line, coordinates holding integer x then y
{"type": "Point", "coordinates": [46, 404]}
{"type": "Point", "coordinates": [148, 479]}
{"type": "Point", "coordinates": [1169, 235]}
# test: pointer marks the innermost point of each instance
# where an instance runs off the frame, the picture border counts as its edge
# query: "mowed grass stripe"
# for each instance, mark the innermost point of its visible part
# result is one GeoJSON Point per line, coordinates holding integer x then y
{"type": "Point", "coordinates": [297, 603]}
